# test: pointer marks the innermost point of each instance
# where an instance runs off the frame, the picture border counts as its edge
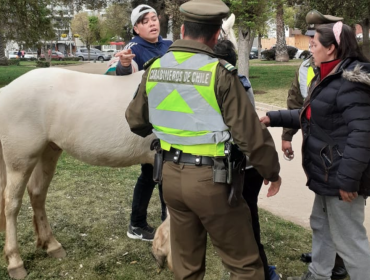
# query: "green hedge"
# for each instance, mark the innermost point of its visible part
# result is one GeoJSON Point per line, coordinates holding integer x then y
{"type": "Point", "coordinates": [72, 59]}
{"type": "Point", "coordinates": [41, 63]}
{"type": "Point", "coordinates": [270, 54]}
{"type": "Point", "coordinates": [8, 62]}
{"type": "Point", "coordinates": [13, 61]}
{"type": "Point", "coordinates": [27, 59]}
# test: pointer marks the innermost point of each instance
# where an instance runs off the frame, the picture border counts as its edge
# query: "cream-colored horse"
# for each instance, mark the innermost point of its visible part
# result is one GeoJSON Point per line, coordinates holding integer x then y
{"type": "Point", "coordinates": [45, 112]}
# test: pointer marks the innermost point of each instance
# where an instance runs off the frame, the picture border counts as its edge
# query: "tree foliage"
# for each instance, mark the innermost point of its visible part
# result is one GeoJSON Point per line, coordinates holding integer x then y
{"type": "Point", "coordinates": [117, 22]}
{"type": "Point", "coordinates": [177, 18]}
{"type": "Point", "coordinates": [251, 16]}
{"type": "Point", "coordinates": [26, 22]}
{"type": "Point", "coordinates": [87, 27]}
{"type": "Point", "coordinates": [354, 12]}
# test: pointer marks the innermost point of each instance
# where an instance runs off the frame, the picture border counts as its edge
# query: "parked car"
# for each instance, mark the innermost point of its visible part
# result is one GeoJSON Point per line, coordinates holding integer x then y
{"type": "Point", "coordinates": [254, 50]}
{"type": "Point", "coordinates": [94, 54]}
{"type": "Point", "coordinates": [55, 55]}
{"type": "Point", "coordinates": [14, 54]}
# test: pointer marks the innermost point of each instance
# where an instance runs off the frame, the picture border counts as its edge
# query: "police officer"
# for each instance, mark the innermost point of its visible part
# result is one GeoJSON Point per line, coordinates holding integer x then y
{"type": "Point", "coordinates": [296, 96]}
{"type": "Point", "coordinates": [194, 105]}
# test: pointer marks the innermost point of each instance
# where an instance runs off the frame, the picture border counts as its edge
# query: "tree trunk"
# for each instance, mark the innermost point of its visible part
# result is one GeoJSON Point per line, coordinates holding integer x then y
{"type": "Point", "coordinates": [281, 54]}
{"type": "Point", "coordinates": [259, 45]}
{"type": "Point", "coordinates": [164, 24]}
{"type": "Point", "coordinates": [245, 42]}
{"type": "Point", "coordinates": [365, 24]}
{"type": "Point", "coordinates": [3, 58]}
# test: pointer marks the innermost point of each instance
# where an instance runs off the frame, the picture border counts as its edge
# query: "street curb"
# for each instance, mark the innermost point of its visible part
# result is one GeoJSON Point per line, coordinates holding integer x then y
{"type": "Point", "coordinates": [267, 107]}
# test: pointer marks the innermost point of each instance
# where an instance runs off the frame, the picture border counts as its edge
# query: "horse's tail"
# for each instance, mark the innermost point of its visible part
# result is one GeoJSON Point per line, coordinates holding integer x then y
{"type": "Point", "coordinates": [2, 190]}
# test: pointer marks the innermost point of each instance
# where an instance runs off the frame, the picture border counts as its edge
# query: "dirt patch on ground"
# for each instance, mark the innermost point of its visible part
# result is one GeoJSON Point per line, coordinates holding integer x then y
{"type": "Point", "coordinates": [259, 91]}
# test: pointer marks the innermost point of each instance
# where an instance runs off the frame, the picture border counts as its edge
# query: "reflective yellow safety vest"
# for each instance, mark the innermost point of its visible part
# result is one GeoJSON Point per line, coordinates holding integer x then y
{"type": "Point", "coordinates": [306, 74]}
{"type": "Point", "coordinates": [183, 108]}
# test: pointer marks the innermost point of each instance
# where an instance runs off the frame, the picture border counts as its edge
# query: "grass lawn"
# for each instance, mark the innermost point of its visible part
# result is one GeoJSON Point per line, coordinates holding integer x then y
{"type": "Point", "coordinates": [10, 73]}
{"type": "Point", "coordinates": [273, 62]}
{"type": "Point", "coordinates": [89, 209]}
{"type": "Point", "coordinates": [271, 83]}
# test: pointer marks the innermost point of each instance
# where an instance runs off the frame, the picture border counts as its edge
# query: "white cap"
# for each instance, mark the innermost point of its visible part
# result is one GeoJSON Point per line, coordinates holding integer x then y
{"type": "Point", "coordinates": [136, 12]}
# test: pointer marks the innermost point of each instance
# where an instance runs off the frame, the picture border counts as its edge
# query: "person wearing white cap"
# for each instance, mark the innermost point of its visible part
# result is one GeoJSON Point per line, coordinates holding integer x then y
{"type": "Point", "coordinates": [146, 44]}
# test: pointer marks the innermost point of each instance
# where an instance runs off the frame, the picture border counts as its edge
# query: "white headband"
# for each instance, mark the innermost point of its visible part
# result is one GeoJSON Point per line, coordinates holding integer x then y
{"type": "Point", "coordinates": [136, 13]}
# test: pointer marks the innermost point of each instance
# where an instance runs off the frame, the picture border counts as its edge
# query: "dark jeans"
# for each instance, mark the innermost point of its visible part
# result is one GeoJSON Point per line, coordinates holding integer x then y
{"type": "Point", "coordinates": [142, 193]}
{"type": "Point", "coordinates": [252, 186]}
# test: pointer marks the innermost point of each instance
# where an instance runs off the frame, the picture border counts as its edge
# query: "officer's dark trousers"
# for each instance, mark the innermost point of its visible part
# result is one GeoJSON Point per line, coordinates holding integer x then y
{"type": "Point", "coordinates": [142, 193]}
{"type": "Point", "coordinates": [197, 206]}
{"type": "Point", "coordinates": [251, 189]}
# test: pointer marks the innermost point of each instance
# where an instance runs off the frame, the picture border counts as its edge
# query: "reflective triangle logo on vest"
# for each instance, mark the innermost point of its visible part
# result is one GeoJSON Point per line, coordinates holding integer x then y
{"type": "Point", "coordinates": [174, 102]}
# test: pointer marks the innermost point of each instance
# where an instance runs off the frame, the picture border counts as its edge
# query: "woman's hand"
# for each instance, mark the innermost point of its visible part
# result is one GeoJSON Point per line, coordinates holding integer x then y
{"type": "Point", "coordinates": [348, 196]}
{"type": "Point", "coordinates": [265, 120]}
{"type": "Point", "coordinates": [286, 146]}
{"type": "Point", "coordinates": [274, 187]}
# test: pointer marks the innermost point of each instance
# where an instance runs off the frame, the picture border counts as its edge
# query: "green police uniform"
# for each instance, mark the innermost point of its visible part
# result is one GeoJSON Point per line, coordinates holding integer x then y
{"type": "Point", "coordinates": [193, 103]}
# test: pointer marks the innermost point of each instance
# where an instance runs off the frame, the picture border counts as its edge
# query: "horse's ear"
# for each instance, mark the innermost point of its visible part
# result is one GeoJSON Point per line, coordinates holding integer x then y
{"type": "Point", "coordinates": [229, 23]}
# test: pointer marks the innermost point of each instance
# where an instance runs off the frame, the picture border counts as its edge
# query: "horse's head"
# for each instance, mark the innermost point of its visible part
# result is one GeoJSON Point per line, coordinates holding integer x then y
{"type": "Point", "coordinates": [227, 31]}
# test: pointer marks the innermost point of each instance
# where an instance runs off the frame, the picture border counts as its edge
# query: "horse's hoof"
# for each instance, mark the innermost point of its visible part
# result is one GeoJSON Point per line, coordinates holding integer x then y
{"type": "Point", "coordinates": [17, 272]}
{"type": "Point", "coordinates": [159, 260]}
{"type": "Point", "coordinates": [58, 253]}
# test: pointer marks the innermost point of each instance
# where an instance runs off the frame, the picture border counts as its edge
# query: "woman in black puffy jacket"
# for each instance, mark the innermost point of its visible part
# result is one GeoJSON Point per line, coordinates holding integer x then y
{"type": "Point", "coordinates": [335, 122]}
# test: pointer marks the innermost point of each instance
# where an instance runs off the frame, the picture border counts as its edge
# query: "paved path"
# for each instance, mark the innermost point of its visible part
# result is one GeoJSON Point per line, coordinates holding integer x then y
{"type": "Point", "coordinates": [294, 201]}
{"type": "Point", "coordinates": [88, 67]}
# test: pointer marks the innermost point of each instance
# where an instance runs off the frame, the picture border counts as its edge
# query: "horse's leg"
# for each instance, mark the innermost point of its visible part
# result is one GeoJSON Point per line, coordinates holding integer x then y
{"type": "Point", "coordinates": [37, 189]}
{"type": "Point", "coordinates": [18, 172]}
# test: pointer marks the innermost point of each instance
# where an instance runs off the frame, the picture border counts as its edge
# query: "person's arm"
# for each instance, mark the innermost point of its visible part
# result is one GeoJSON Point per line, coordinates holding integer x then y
{"type": "Point", "coordinates": [137, 113]}
{"type": "Point", "coordinates": [247, 132]}
{"type": "Point", "coordinates": [126, 64]}
{"type": "Point", "coordinates": [123, 70]}
{"type": "Point", "coordinates": [284, 118]}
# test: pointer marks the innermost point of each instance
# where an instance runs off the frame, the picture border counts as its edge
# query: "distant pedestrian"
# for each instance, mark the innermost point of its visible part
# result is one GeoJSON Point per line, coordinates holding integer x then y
{"type": "Point", "coordinates": [22, 52]}
{"type": "Point", "coordinates": [19, 54]}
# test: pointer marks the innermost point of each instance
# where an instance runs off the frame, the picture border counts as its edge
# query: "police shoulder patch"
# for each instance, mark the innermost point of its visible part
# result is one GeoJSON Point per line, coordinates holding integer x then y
{"type": "Point", "coordinates": [228, 66]}
{"type": "Point", "coordinates": [150, 62]}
